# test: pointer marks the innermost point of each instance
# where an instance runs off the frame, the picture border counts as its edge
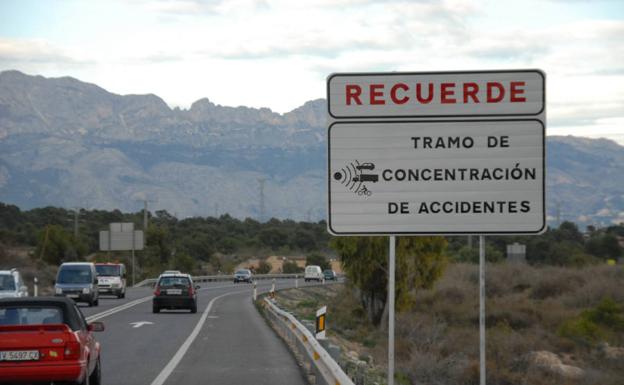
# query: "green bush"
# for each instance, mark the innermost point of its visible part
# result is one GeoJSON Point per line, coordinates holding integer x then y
{"type": "Point", "coordinates": [595, 325]}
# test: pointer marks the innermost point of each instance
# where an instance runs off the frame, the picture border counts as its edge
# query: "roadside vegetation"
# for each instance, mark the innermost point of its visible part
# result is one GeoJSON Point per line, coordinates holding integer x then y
{"type": "Point", "coordinates": [545, 325]}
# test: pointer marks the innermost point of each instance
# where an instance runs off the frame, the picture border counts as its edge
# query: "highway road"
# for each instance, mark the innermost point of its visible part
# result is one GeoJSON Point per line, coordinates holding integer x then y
{"type": "Point", "coordinates": [225, 342]}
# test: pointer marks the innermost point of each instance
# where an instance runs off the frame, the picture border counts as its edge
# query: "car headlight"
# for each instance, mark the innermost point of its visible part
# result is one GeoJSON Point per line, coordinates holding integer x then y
{"type": "Point", "coordinates": [86, 290]}
{"type": "Point", "coordinates": [58, 290]}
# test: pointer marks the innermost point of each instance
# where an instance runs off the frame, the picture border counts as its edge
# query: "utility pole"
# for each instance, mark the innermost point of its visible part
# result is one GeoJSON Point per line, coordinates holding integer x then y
{"type": "Point", "coordinates": [145, 222]}
{"type": "Point", "coordinates": [76, 212]}
{"type": "Point", "coordinates": [261, 181]}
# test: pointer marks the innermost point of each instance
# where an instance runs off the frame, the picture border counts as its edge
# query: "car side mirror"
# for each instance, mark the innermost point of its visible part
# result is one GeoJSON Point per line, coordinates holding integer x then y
{"type": "Point", "coordinates": [96, 327]}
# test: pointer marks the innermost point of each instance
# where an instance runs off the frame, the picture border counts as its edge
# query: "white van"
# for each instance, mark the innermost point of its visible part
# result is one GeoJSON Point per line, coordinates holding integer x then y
{"type": "Point", "coordinates": [313, 273]}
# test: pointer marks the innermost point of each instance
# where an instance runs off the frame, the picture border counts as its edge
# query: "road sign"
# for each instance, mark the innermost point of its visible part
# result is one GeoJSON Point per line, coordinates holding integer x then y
{"type": "Point", "coordinates": [121, 237]}
{"type": "Point", "coordinates": [437, 153]}
{"type": "Point", "coordinates": [436, 94]}
{"type": "Point", "coordinates": [436, 177]}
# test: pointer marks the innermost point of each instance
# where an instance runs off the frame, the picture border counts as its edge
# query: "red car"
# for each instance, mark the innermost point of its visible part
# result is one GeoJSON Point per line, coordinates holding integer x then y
{"type": "Point", "coordinates": [46, 339]}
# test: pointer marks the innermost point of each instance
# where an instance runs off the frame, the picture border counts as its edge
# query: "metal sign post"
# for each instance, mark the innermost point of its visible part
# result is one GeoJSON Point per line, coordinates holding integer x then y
{"type": "Point", "coordinates": [482, 309]}
{"type": "Point", "coordinates": [391, 294]}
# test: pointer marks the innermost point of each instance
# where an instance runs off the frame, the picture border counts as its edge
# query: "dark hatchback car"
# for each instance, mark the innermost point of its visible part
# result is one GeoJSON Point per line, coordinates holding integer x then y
{"type": "Point", "coordinates": [175, 291]}
{"type": "Point", "coordinates": [329, 275]}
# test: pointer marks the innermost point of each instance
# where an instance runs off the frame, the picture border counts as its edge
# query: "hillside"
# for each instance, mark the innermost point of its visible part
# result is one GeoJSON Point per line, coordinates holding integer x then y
{"type": "Point", "coordinates": [67, 143]}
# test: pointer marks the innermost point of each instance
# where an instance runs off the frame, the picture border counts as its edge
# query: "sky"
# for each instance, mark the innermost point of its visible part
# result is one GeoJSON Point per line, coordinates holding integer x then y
{"type": "Point", "coordinates": [278, 53]}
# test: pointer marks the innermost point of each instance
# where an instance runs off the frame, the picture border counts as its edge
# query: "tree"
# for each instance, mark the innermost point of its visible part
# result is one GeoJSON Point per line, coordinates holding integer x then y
{"type": "Point", "coordinates": [319, 260]}
{"type": "Point", "coordinates": [290, 267]}
{"type": "Point", "coordinates": [263, 268]}
{"type": "Point", "coordinates": [55, 246]}
{"type": "Point", "coordinates": [420, 262]}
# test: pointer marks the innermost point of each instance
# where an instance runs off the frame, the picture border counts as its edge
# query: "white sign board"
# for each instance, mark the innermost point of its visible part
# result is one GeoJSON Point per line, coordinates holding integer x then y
{"type": "Point", "coordinates": [437, 94]}
{"type": "Point", "coordinates": [452, 168]}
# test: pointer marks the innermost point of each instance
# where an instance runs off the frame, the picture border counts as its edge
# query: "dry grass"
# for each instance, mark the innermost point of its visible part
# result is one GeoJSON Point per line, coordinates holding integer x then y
{"type": "Point", "coordinates": [437, 342]}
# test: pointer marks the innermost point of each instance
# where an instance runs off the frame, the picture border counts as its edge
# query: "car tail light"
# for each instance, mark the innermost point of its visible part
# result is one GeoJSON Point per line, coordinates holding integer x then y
{"type": "Point", "coordinates": [191, 291]}
{"type": "Point", "coordinates": [72, 350]}
{"type": "Point", "coordinates": [157, 291]}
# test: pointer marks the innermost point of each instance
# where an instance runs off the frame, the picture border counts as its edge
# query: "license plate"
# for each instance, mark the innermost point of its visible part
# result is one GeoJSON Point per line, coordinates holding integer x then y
{"type": "Point", "coordinates": [174, 291]}
{"type": "Point", "coordinates": [72, 295]}
{"type": "Point", "coordinates": [19, 355]}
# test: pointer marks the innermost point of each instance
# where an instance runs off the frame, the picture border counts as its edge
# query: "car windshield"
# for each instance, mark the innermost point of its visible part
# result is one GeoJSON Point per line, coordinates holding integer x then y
{"type": "Point", "coordinates": [30, 315]}
{"type": "Point", "coordinates": [243, 272]}
{"type": "Point", "coordinates": [174, 281]}
{"type": "Point", "coordinates": [108, 270]}
{"type": "Point", "coordinates": [74, 274]}
{"type": "Point", "coordinates": [7, 283]}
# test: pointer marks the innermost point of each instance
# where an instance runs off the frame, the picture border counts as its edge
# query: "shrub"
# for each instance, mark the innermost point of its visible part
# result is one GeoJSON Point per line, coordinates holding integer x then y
{"type": "Point", "coordinates": [595, 325]}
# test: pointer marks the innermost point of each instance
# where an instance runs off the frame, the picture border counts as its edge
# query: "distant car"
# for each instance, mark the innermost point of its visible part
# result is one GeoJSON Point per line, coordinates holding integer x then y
{"type": "Point", "coordinates": [78, 281]}
{"type": "Point", "coordinates": [46, 339]}
{"type": "Point", "coordinates": [329, 275]}
{"type": "Point", "coordinates": [365, 166]}
{"type": "Point", "coordinates": [175, 291]}
{"type": "Point", "coordinates": [12, 285]}
{"type": "Point", "coordinates": [242, 275]}
{"type": "Point", "coordinates": [313, 273]}
{"type": "Point", "coordinates": [111, 278]}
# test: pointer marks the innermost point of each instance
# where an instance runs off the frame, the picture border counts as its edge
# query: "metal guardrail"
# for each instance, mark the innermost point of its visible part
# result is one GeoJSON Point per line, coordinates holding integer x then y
{"type": "Point", "coordinates": [316, 359]}
{"type": "Point", "coordinates": [225, 277]}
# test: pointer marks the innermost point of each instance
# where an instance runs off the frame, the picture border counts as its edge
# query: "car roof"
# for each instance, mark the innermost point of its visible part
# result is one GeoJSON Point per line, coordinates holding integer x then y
{"type": "Point", "coordinates": [77, 263]}
{"type": "Point", "coordinates": [8, 272]}
{"type": "Point", "coordinates": [108, 263]}
{"type": "Point", "coordinates": [175, 275]}
{"type": "Point", "coordinates": [64, 303]}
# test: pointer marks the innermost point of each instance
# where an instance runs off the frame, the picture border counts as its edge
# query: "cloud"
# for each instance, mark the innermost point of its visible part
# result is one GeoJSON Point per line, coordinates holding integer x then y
{"type": "Point", "coordinates": [20, 52]}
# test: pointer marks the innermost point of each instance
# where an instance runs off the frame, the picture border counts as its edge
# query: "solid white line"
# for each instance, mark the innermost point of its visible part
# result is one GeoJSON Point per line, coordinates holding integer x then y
{"type": "Point", "coordinates": [117, 309]}
{"type": "Point", "coordinates": [167, 370]}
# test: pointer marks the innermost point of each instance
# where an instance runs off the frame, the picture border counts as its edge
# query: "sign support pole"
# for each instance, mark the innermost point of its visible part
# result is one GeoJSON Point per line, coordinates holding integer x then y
{"type": "Point", "coordinates": [391, 294]}
{"type": "Point", "coordinates": [133, 265]}
{"type": "Point", "coordinates": [482, 309]}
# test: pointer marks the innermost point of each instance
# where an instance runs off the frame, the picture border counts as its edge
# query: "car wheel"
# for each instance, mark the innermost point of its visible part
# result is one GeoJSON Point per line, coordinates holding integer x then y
{"type": "Point", "coordinates": [96, 377]}
{"type": "Point", "coordinates": [90, 303]}
{"type": "Point", "coordinates": [96, 302]}
{"type": "Point", "coordinates": [155, 309]}
{"type": "Point", "coordinates": [123, 295]}
{"type": "Point", "coordinates": [194, 307]}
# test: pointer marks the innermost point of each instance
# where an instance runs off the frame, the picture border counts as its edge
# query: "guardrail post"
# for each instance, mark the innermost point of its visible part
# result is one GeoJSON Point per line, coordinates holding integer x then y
{"type": "Point", "coordinates": [273, 289]}
{"type": "Point", "coordinates": [36, 287]}
{"type": "Point", "coordinates": [296, 282]}
{"type": "Point", "coordinates": [255, 292]}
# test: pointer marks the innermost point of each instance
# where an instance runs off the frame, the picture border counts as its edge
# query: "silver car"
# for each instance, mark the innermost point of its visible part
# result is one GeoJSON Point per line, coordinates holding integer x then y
{"type": "Point", "coordinates": [12, 285]}
{"type": "Point", "coordinates": [78, 281]}
{"type": "Point", "coordinates": [242, 275]}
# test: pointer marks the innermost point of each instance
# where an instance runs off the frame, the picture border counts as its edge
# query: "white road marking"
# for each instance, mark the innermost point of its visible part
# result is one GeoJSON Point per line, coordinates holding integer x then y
{"type": "Point", "coordinates": [167, 370]}
{"type": "Point", "coordinates": [130, 304]}
{"type": "Point", "coordinates": [140, 323]}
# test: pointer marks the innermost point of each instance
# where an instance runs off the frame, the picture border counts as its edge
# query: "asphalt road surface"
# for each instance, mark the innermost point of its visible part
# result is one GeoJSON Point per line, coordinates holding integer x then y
{"type": "Point", "coordinates": [225, 342]}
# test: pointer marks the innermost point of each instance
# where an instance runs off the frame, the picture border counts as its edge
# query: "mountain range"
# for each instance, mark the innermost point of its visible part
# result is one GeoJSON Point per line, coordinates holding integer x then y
{"type": "Point", "coordinates": [68, 143]}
